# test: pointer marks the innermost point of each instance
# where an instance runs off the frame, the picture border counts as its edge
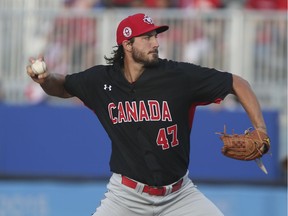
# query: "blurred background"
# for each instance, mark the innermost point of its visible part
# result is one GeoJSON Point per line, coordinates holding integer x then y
{"type": "Point", "coordinates": [54, 154]}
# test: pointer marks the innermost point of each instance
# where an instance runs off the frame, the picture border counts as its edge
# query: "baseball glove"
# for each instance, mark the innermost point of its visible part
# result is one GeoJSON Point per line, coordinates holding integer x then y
{"type": "Point", "coordinates": [251, 145]}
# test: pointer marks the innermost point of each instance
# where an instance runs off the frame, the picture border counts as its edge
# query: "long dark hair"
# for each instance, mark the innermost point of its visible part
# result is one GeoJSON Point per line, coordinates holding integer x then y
{"type": "Point", "coordinates": [117, 56]}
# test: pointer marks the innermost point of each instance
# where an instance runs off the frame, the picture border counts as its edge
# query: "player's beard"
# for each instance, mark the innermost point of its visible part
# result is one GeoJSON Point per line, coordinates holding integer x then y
{"type": "Point", "coordinates": [147, 60]}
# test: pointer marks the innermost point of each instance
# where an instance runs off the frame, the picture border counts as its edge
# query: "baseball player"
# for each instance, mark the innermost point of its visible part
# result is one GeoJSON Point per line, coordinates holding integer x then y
{"type": "Point", "coordinates": [146, 105]}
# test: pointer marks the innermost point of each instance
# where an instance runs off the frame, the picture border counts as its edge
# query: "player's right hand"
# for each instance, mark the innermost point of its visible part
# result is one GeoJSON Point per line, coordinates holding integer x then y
{"type": "Point", "coordinates": [38, 78]}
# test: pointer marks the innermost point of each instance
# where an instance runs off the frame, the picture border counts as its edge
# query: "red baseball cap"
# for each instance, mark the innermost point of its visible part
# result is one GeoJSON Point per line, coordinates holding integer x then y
{"type": "Point", "coordinates": [136, 25]}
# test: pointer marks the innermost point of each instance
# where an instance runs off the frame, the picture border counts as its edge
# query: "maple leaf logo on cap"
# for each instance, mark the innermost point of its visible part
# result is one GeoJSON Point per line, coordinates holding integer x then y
{"type": "Point", "coordinates": [148, 19]}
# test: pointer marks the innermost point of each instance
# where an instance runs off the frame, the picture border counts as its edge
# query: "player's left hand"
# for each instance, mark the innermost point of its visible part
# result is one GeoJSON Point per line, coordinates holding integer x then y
{"type": "Point", "coordinates": [248, 146]}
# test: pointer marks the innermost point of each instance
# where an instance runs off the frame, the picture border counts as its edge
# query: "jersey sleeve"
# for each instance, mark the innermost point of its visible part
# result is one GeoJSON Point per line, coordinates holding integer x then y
{"type": "Point", "coordinates": [208, 85]}
{"type": "Point", "coordinates": [77, 85]}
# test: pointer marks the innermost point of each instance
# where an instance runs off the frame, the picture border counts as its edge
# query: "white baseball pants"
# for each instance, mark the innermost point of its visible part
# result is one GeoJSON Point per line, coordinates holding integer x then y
{"type": "Point", "coordinates": [121, 200]}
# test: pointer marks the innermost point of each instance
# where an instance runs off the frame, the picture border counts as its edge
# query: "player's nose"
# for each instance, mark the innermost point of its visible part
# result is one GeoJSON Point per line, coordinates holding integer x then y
{"type": "Point", "coordinates": [155, 42]}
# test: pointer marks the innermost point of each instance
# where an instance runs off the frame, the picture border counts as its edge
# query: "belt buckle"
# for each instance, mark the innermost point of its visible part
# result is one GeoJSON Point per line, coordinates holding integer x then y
{"type": "Point", "coordinates": [156, 191]}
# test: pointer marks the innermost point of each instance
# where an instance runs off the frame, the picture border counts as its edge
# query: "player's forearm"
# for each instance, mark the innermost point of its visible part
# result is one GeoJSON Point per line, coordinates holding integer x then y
{"type": "Point", "coordinates": [54, 85]}
{"type": "Point", "coordinates": [249, 101]}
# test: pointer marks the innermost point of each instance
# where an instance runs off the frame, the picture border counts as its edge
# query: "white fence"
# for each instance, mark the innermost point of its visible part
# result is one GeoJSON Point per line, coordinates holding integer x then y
{"type": "Point", "coordinates": [251, 44]}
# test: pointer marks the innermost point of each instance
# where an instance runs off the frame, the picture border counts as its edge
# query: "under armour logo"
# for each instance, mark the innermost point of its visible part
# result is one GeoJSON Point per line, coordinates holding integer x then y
{"type": "Point", "coordinates": [107, 87]}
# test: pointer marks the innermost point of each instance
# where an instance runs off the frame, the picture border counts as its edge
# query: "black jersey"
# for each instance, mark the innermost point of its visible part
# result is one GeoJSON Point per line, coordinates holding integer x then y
{"type": "Point", "coordinates": [149, 121]}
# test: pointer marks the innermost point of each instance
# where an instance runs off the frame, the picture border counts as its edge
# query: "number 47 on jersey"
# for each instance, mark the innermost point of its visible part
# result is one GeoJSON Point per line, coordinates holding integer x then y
{"type": "Point", "coordinates": [167, 137]}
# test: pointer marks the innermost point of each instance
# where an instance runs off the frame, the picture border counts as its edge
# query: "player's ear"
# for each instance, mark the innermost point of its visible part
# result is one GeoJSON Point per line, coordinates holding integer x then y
{"type": "Point", "coordinates": [127, 45]}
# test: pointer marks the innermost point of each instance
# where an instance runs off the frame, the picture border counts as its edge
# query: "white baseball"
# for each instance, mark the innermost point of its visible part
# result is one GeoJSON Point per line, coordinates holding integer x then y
{"type": "Point", "coordinates": [39, 67]}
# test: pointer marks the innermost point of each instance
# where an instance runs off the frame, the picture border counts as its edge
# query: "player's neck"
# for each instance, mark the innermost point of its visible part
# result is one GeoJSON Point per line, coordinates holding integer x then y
{"type": "Point", "coordinates": [132, 71]}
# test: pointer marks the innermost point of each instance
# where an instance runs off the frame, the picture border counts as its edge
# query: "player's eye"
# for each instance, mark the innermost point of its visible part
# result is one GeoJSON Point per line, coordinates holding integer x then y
{"type": "Point", "coordinates": [148, 37]}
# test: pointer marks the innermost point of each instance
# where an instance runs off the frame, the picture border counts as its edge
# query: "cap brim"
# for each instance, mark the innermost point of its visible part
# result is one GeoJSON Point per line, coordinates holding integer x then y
{"type": "Point", "coordinates": [161, 29]}
{"type": "Point", "coordinates": [158, 29]}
